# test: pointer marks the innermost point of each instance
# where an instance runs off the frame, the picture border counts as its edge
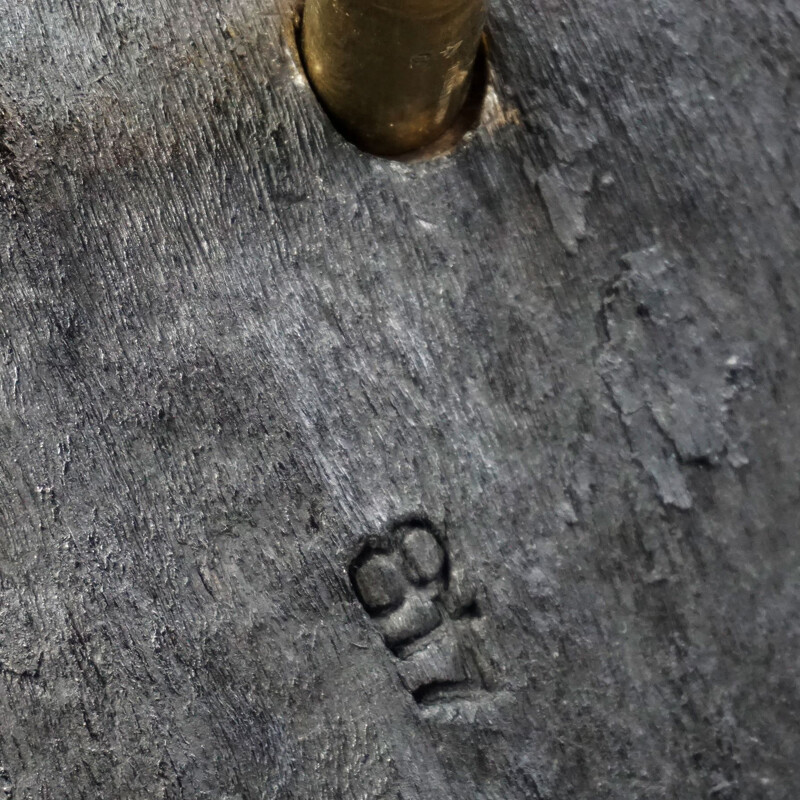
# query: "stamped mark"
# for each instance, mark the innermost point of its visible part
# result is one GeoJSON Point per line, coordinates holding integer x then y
{"type": "Point", "coordinates": [426, 611]}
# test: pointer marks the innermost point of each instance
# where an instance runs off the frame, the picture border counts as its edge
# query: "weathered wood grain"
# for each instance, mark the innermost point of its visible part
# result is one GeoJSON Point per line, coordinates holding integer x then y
{"type": "Point", "coordinates": [234, 349]}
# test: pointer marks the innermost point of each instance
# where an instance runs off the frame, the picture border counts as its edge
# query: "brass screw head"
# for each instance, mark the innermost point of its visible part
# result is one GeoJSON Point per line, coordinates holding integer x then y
{"type": "Point", "coordinates": [393, 74]}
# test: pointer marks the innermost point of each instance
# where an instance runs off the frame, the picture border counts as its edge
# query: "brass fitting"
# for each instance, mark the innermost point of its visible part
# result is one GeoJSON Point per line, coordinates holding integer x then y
{"type": "Point", "coordinates": [393, 74]}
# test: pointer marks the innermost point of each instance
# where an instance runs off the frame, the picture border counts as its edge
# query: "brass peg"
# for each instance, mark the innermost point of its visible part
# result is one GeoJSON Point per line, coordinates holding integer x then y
{"type": "Point", "coordinates": [393, 74]}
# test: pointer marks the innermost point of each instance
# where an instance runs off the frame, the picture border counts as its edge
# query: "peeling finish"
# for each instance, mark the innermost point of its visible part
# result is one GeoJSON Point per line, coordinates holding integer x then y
{"type": "Point", "coordinates": [672, 379]}
{"type": "Point", "coordinates": [564, 193]}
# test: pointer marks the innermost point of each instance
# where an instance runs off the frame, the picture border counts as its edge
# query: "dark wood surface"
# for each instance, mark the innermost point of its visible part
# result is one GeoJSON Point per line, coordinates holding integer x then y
{"type": "Point", "coordinates": [235, 351]}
